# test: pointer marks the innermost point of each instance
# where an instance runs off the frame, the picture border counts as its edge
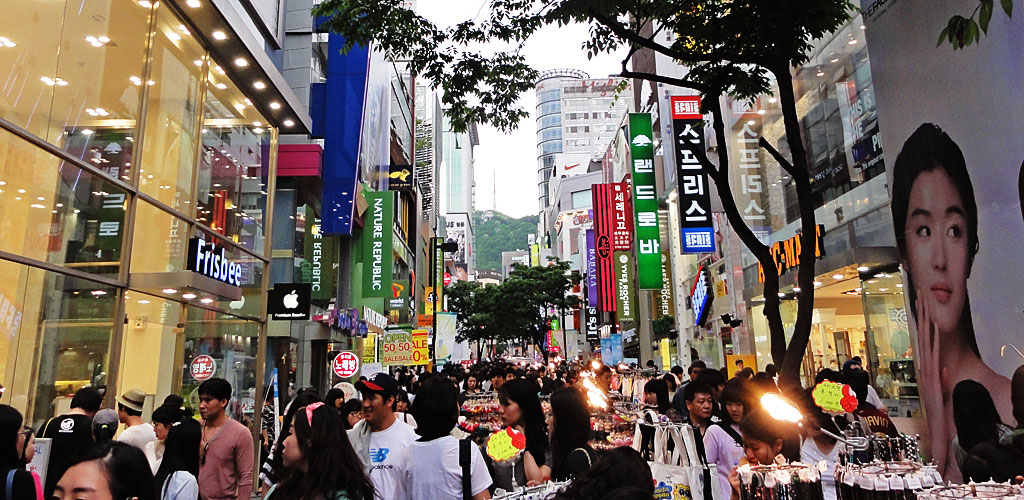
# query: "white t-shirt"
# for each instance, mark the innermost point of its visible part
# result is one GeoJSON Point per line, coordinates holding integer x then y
{"type": "Point", "coordinates": [810, 454]}
{"type": "Point", "coordinates": [439, 477]}
{"type": "Point", "coordinates": [388, 451]}
{"type": "Point", "coordinates": [138, 435]}
{"type": "Point", "coordinates": [180, 485]}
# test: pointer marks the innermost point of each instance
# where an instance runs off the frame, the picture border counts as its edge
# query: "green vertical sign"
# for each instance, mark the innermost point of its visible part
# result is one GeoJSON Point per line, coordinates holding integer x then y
{"type": "Point", "coordinates": [645, 203]}
{"type": "Point", "coordinates": [377, 243]}
{"type": "Point", "coordinates": [318, 262]}
{"type": "Point", "coordinates": [625, 298]}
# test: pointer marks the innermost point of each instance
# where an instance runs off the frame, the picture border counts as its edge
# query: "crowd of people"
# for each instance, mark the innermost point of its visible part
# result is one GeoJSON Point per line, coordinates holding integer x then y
{"type": "Point", "coordinates": [396, 437]}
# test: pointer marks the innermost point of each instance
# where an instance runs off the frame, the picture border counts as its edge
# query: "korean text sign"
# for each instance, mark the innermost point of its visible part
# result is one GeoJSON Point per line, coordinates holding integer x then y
{"type": "Point", "coordinates": [645, 202]}
{"type": "Point", "coordinates": [697, 230]}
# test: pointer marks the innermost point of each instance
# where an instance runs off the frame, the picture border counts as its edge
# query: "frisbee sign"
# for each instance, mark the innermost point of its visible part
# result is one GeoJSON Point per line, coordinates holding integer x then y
{"type": "Point", "coordinates": [202, 367]}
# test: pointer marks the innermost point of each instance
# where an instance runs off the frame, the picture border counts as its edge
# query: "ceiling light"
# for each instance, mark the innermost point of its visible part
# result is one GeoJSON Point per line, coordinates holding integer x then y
{"type": "Point", "coordinates": [257, 124]}
{"type": "Point", "coordinates": [781, 295]}
{"type": "Point", "coordinates": [258, 130]}
{"type": "Point", "coordinates": [188, 296]}
{"type": "Point", "coordinates": [6, 42]}
{"type": "Point", "coordinates": [288, 123]}
{"type": "Point", "coordinates": [883, 289]}
{"type": "Point", "coordinates": [98, 292]}
{"type": "Point", "coordinates": [852, 42]}
{"type": "Point", "coordinates": [239, 106]}
{"type": "Point", "coordinates": [198, 62]}
{"type": "Point", "coordinates": [771, 100]}
{"type": "Point", "coordinates": [899, 285]}
{"type": "Point", "coordinates": [221, 86]}
{"type": "Point", "coordinates": [183, 29]}
{"type": "Point", "coordinates": [751, 122]}
{"type": "Point", "coordinates": [863, 268]}
{"type": "Point", "coordinates": [760, 112]}
{"type": "Point", "coordinates": [143, 301]}
{"type": "Point", "coordinates": [834, 60]}
{"type": "Point", "coordinates": [47, 80]}
{"type": "Point", "coordinates": [136, 80]}
{"type": "Point", "coordinates": [169, 290]}
{"type": "Point", "coordinates": [173, 36]}
{"type": "Point", "coordinates": [146, 4]}
{"type": "Point", "coordinates": [86, 131]}
{"type": "Point", "coordinates": [275, 105]}
{"type": "Point", "coordinates": [206, 300]}
{"type": "Point", "coordinates": [151, 82]}
{"type": "Point", "coordinates": [838, 276]}
{"type": "Point", "coordinates": [259, 85]}
{"type": "Point", "coordinates": [241, 62]}
{"type": "Point", "coordinates": [247, 101]}
{"type": "Point", "coordinates": [820, 73]}
{"type": "Point", "coordinates": [817, 283]}
{"type": "Point", "coordinates": [219, 35]}
{"type": "Point", "coordinates": [796, 289]}
{"type": "Point", "coordinates": [218, 69]}
{"type": "Point", "coordinates": [193, 3]}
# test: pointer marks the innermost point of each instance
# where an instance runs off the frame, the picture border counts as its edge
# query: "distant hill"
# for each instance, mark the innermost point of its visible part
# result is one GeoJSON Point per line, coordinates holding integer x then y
{"type": "Point", "coordinates": [496, 232]}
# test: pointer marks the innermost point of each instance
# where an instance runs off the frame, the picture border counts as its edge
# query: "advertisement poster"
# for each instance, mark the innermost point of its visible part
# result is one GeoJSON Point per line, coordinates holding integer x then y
{"type": "Point", "coordinates": [396, 348]}
{"type": "Point", "coordinates": [420, 347]}
{"type": "Point", "coordinates": [446, 350]}
{"type": "Point", "coordinates": [591, 269]}
{"type": "Point", "coordinates": [951, 124]}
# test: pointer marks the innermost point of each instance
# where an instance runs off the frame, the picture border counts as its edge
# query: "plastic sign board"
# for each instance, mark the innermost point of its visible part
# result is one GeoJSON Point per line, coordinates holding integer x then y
{"type": "Point", "coordinates": [202, 367]}
{"type": "Point", "coordinates": [694, 202]}
{"type": "Point", "coordinates": [506, 445]}
{"type": "Point", "coordinates": [625, 298]}
{"type": "Point", "coordinates": [701, 296]}
{"type": "Point", "coordinates": [645, 203]}
{"type": "Point", "coordinates": [370, 349]}
{"type": "Point", "coordinates": [377, 243]}
{"type": "Point", "coordinates": [210, 260]}
{"type": "Point", "coordinates": [318, 262]}
{"type": "Point", "coordinates": [591, 269]}
{"type": "Point", "coordinates": [420, 347]}
{"type": "Point", "coordinates": [289, 301]}
{"type": "Point", "coordinates": [400, 178]}
{"type": "Point", "coordinates": [833, 397]}
{"type": "Point", "coordinates": [612, 232]}
{"type": "Point", "coordinates": [447, 279]}
{"type": "Point", "coordinates": [396, 348]}
{"type": "Point", "coordinates": [345, 364]}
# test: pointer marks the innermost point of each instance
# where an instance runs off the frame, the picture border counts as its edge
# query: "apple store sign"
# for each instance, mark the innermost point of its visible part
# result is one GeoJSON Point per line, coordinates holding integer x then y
{"type": "Point", "coordinates": [289, 301]}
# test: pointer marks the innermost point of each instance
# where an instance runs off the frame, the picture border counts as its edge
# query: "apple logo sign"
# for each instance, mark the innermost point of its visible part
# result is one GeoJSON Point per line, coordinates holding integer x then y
{"type": "Point", "coordinates": [291, 300]}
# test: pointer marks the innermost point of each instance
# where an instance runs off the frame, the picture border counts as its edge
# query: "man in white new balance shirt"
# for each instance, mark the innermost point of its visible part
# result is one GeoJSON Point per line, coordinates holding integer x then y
{"type": "Point", "coordinates": [381, 440]}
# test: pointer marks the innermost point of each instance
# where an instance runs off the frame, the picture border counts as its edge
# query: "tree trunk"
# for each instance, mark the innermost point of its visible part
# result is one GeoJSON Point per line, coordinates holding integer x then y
{"type": "Point", "coordinates": [790, 369]}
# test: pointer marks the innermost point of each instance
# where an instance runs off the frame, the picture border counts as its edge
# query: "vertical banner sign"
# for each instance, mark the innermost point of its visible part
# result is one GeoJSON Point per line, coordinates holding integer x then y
{"type": "Point", "coordinates": [697, 230]}
{"type": "Point", "coordinates": [625, 298]}
{"type": "Point", "coordinates": [645, 202]}
{"type": "Point", "coordinates": [377, 240]}
{"type": "Point", "coordinates": [622, 217]}
{"type": "Point", "coordinates": [746, 169]}
{"type": "Point", "coordinates": [318, 265]}
{"type": "Point", "coordinates": [370, 348]}
{"type": "Point", "coordinates": [665, 302]}
{"type": "Point", "coordinates": [593, 323]}
{"type": "Point", "coordinates": [591, 269]}
{"type": "Point", "coordinates": [603, 228]}
{"type": "Point", "coordinates": [437, 275]}
{"type": "Point", "coordinates": [420, 347]}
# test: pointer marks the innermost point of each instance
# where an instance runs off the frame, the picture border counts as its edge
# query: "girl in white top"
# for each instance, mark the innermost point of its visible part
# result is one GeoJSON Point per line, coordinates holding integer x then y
{"type": "Point", "coordinates": [176, 479]}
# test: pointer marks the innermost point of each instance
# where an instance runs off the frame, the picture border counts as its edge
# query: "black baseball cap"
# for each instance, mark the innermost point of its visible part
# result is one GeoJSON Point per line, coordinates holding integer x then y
{"type": "Point", "coordinates": [380, 383]}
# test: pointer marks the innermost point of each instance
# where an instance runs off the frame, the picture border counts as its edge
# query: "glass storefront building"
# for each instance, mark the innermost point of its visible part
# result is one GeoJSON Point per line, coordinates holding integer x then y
{"type": "Point", "coordinates": [125, 132]}
{"type": "Point", "coordinates": [859, 306]}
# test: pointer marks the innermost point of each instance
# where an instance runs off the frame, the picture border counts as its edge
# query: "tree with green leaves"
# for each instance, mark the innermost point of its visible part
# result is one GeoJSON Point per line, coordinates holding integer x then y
{"type": "Point", "coordinates": [729, 47]}
{"type": "Point", "coordinates": [962, 31]}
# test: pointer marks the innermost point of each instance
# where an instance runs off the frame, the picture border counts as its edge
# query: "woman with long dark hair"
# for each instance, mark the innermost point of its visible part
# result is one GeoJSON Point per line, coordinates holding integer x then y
{"type": "Point", "coordinates": [723, 442]}
{"type": "Point", "coordinates": [520, 409]}
{"type": "Point", "coordinates": [111, 471]}
{"type": "Point", "coordinates": [617, 468]}
{"type": "Point", "coordinates": [656, 394]}
{"type": "Point", "coordinates": [13, 441]}
{"type": "Point", "coordinates": [178, 475]}
{"type": "Point", "coordinates": [976, 420]}
{"type": "Point", "coordinates": [569, 426]}
{"type": "Point", "coordinates": [271, 471]}
{"type": "Point", "coordinates": [935, 220]}
{"type": "Point", "coordinates": [319, 462]}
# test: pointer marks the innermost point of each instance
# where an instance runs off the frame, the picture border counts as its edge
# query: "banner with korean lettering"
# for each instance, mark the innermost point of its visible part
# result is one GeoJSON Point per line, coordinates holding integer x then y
{"type": "Point", "coordinates": [318, 262]}
{"type": "Point", "coordinates": [696, 228]}
{"type": "Point", "coordinates": [603, 229]}
{"type": "Point", "coordinates": [625, 297]}
{"type": "Point", "coordinates": [377, 240]}
{"type": "Point", "coordinates": [645, 202]}
{"type": "Point", "coordinates": [748, 172]}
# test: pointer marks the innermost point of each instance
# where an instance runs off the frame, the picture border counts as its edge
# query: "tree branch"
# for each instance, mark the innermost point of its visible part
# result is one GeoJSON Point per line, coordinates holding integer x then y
{"type": "Point", "coordinates": [690, 84]}
{"type": "Point", "coordinates": [785, 164]}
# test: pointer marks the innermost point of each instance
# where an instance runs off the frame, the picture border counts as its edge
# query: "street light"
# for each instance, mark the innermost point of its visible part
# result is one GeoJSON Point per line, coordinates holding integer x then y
{"type": "Point", "coordinates": [781, 409]}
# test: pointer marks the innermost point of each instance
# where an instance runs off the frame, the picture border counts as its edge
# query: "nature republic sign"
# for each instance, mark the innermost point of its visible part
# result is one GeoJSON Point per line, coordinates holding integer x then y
{"type": "Point", "coordinates": [377, 241]}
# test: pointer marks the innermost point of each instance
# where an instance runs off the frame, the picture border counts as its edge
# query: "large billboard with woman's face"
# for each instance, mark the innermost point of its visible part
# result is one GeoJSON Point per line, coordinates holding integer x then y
{"type": "Point", "coordinates": [954, 119]}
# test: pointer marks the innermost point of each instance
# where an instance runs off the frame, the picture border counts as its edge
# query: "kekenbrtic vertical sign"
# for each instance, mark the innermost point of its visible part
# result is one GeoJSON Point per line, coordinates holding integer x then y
{"type": "Point", "coordinates": [377, 250]}
{"type": "Point", "coordinates": [697, 230]}
{"type": "Point", "coordinates": [645, 203]}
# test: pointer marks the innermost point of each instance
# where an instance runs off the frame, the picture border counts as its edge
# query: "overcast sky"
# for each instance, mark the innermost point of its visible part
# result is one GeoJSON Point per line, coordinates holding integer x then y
{"type": "Point", "coordinates": [510, 160]}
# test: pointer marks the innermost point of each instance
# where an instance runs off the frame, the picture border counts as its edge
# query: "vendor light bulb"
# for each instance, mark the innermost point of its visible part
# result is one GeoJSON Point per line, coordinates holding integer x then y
{"type": "Point", "coordinates": [780, 409]}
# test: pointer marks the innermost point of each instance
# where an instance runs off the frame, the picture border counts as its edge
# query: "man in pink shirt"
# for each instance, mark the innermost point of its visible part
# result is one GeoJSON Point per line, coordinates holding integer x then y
{"type": "Point", "coordinates": [226, 450]}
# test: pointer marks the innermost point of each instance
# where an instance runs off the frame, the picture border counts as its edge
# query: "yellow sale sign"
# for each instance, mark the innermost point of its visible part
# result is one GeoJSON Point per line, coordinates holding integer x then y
{"type": "Point", "coordinates": [420, 347]}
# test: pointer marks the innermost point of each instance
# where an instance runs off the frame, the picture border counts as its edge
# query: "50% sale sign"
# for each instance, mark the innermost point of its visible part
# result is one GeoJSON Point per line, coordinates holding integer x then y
{"type": "Point", "coordinates": [404, 348]}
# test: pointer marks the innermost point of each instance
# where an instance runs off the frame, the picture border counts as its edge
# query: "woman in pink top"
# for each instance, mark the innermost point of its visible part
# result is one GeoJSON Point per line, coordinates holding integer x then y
{"type": "Point", "coordinates": [723, 441]}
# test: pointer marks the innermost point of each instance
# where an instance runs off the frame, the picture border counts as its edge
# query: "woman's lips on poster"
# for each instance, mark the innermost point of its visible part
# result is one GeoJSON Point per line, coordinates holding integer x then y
{"type": "Point", "coordinates": [941, 292]}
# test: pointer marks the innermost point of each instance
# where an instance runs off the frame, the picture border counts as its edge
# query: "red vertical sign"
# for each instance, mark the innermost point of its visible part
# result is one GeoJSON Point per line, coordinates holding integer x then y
{"type": "Point", "coordinates": [604, 232]}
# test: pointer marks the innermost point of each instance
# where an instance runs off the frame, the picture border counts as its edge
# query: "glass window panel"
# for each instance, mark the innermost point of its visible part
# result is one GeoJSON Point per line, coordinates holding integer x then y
{"type": "Point", "coordinates": [155, 225]}
{"type": "Point", "coordinates": [148, 359]}
{"type": "Point", "coordinates": [169, 138]}
{"type": "Point", "coordinates": [53, 211]}
{"type": "Point", "coordinates": [252, 269]}
{"type": "Point", "coordinates": [28, 54]}
{"type": "Point", "coordinates": [57, 340]}
{"type": "Point", "coordinates": [102, 52]}
{"type": "Point", "coordinates": [233, 165]}
{"type": "Point", "coordinates": [232, 343]}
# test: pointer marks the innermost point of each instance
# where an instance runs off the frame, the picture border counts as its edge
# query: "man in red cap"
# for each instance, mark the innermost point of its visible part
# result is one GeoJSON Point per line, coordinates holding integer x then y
{"type": "Point", "coordinates": [381, 440]}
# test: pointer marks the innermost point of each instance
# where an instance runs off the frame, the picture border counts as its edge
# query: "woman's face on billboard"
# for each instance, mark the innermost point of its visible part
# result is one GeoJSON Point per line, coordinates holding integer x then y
{"type": "Point", "coordinates": [937, 250]}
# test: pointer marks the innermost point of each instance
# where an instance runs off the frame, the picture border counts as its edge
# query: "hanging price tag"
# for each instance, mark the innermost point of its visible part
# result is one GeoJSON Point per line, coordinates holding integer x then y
{"type": "Point", "coordinates": [506, 445]}
{"type": "Point", "coordinates": [833, 397]}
